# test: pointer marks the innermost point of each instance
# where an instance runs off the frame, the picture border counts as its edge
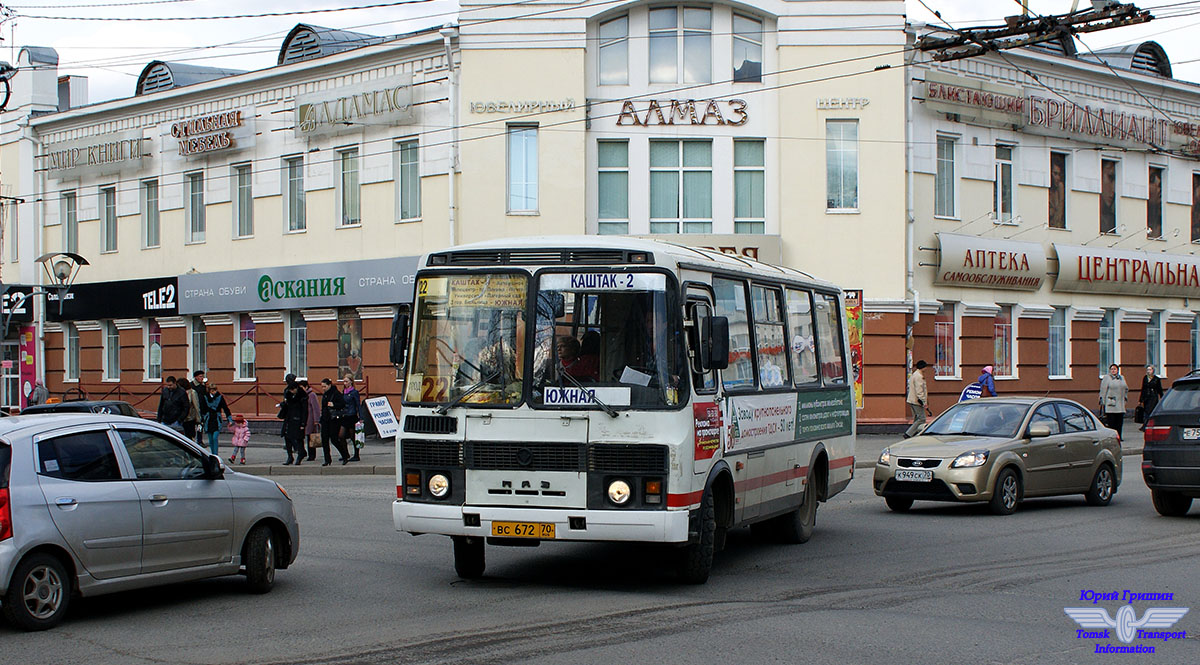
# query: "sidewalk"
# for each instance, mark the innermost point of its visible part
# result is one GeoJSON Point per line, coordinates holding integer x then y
{"type": "Point", "coordinates": [265, 455]}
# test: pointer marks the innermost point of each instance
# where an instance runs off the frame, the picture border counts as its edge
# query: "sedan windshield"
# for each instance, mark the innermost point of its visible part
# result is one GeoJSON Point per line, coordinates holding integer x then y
{"type": "Point", "coordinates": [468, 339]}
{"type": "Point", "coordinates": [973, 418]}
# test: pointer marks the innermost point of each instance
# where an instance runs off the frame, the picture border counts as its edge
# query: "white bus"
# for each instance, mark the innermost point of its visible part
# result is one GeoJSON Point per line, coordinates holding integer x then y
{"type": "Point", "coordinates": [614, 389]}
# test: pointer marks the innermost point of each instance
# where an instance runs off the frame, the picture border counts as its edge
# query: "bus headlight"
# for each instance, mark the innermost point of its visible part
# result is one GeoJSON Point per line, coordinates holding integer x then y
{"type": "Point", "coordinates": [439, 485]}
{"type": "Point", "coordinates": [618, 492]}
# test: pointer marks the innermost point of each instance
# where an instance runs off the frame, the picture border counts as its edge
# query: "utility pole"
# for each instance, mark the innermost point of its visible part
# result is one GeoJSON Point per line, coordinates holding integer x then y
{"type": "Point", "coordinates": [1024, 30]}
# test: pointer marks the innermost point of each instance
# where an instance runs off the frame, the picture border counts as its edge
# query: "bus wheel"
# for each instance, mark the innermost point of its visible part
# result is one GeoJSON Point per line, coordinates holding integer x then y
{"type": "Point", "coordinates": [696, 558]}
{"type": "Point", "coordinates": [468, 557]}
{"type": "Point", "coordinates": [797, 526]}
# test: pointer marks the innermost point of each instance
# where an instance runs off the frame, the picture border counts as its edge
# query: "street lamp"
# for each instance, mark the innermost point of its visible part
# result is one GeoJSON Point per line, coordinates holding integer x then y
{"type": "Point", "coordinates": [7, 71]}
{"type": "Point", "coordinates": [61, 269]}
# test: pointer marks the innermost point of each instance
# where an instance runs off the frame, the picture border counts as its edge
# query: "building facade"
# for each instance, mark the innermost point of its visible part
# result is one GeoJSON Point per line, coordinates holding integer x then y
{"type": "Point", "coordinates": [256, 223]}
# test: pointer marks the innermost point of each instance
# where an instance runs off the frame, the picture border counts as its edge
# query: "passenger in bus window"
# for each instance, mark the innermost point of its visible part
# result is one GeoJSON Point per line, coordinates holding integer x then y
{"type": "Point", "coordinates": [585, 368]}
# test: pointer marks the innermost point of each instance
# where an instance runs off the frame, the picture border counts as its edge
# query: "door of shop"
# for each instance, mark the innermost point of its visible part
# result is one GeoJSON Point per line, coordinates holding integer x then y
{"type": "Point", "coordinates": [10, 376]}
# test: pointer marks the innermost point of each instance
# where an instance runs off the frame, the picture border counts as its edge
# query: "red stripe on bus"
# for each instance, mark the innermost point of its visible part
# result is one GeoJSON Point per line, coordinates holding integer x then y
{"type": "Point", "coordinates": [681, 500]}
{"type": "Point", "coordinates": [693, 498]}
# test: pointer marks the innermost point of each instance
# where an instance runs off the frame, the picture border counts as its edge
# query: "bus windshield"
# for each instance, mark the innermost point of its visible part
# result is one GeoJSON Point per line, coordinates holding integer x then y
{"type": "Point", "coordinates": [612, 337]}
{"type": "Point", "coordinates": [468, 339]}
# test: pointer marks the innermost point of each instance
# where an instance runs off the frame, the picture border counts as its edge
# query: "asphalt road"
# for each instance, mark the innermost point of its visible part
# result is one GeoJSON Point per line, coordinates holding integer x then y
{"type": "Point", "coordinates": [942, 584]}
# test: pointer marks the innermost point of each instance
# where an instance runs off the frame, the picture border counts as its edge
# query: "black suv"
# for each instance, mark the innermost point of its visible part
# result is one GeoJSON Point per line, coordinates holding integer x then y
{"type": "Point", "coordinates": [113, 406]}
{"type": "Point", "coordinates": [1171, 456]}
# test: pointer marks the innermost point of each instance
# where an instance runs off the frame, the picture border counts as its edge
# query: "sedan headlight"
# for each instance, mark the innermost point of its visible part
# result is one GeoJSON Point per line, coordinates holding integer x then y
{"type": "Point", "coordinates": [970, 459]}
{"type": "Point", "coordinates": [618, 492]}
{"type": "Point", "coordinates": [439, 485]}
{"type": "Point", "coordinates": [885, 457]}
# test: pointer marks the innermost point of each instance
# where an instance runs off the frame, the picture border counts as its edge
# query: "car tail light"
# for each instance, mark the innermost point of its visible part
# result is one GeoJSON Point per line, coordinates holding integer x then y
{"type": "Point", "coordinates": [5, 516]}
{"type": "Point", "coordinates": [1156, 432]}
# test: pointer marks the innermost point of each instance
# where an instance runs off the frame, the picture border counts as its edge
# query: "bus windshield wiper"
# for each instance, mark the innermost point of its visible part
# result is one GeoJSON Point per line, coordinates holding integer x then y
{"type": "Point", "coordinates": [441, 410]}
{"type": "Point", "coordinates": [575, 382]}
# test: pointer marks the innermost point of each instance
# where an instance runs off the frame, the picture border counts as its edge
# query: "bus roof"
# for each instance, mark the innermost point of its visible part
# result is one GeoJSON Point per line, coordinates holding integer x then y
{"type": "Point", "coordinates": [549, 250]}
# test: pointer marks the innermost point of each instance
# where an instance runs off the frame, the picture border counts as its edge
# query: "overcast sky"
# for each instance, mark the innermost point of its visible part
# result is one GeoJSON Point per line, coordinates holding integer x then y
{"type": "Point", "coordinates": [113, 53]}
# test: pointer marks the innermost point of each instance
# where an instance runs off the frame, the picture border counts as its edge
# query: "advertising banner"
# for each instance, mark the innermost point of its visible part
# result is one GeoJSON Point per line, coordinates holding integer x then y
{"type": "Point", "coordinates": [761, 420]}
{"type": "Point", "coordinates": [990, 263]}
{"type": "Point", "coordinates": [1124, 271]}
{"type": "Point", "coordinates": [29, 369]}
{"type": "Point", "coordinates": [824, 413]}
{"type": "Point", "coordinates": [381, 412]}
{"type": "Point", "coordinates": [127, 299]}
{"type": "Point", "coordinates": [16, 304]}
{"type": "Point", "coordinates": [382, 102]}
{"type": "Point", "coordinates": [854, 330]}
{"type": "Point", "coordinates": [707, 421]}
{"type": "Point", "coordinates": [351, 283]}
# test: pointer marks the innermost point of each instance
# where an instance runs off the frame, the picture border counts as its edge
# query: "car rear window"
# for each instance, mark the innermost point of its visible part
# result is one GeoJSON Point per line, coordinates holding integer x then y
{"type": "Point", "coordinates": [81, 456]}
{"type": "Point", "coordinates": [5, 461]}
{"type": "Point", "coordinates": [1181, 397]}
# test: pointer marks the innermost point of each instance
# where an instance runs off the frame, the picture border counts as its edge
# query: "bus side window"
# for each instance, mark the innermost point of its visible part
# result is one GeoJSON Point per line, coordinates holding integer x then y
{"type": "Point", "coordinates": [768, 334]}
{"type": "Point", "coordinates": [802, 341]}
{"type": "Point", "coordinates": [829, 338]}
{"type": "Point", "coordinates": [731, 303]}
{"type": "Point", "coordinates": [704, 381]}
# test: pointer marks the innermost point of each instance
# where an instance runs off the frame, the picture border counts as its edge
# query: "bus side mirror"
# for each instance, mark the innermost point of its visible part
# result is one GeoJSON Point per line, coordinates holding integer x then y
{"type": "Point", "coordinates": [399, 339]}
{"type": "Point", "coordinates": [717, 343]}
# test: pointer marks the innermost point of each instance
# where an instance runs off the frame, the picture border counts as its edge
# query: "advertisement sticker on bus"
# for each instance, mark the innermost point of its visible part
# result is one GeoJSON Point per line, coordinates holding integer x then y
{"type": "Point", "coordinates": [498, 291]}
{"type": "Point", "coordinates": [824, 413]}
{"type": "Point", "coordinates": [707, 417]}
{"type": "Point", "coordinates": [604, 281]}
{"type": "Point", "coordinates": [760, 420]}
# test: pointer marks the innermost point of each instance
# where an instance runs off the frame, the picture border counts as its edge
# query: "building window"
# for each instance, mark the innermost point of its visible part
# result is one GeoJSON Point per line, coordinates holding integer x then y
{"type": "Point", "coordinates": [747, 49]}
{"type": "Point", "coordinates": [348, 201]}
{"type": "Point", "coordinates": [1154, 203]}
{"type": "Point", "coordinates": [614, 51]}
{"type": "Point", "coordinates": [112, 352]}
{"type": "Point", "coordinates": [1002, 342]}
{"type": "Point", "coordinates": [944, 341]}
{"type": "Point", "coordinates": [1196, 207]}
{"type": "Point", "coordinates": [1154, 341]}
{"type": "Point", "coordinates": [1002, 186]}
{"type": "Point", "coordinates": [1108, 199]}
{"type": "Point", "coordinates": [199, 344]}
{"type": "Point", "coordinates": [667, 60]}
{"type": "Point", "coordinates": [70, 215]}
{"type": "Point", "coordinates": [246, 350]}
{"type": "Point", "coordinates": [613, 186]}
{"type": "Point", "coordinates": [945, 201]}
{"type": "Point", "coordinates": [408, 181]}
{"type": "Point", "coordinates": [150, 222]}
{"type": "Point", "coordinates": [522, 168]}
{"type": "Point", "coordinates": [1058, 342]}
{"type": "Point", "coordinates": [1108, 340]}
{"type": "Point", "coordinates": [293, 201]}
{"type": "Point", "coordinates": [841, 164]}
{"type": "Point", "coordinates": [243, 201]}
{"type": "Point", "coordinates": [108, 219]}
{"type": "Point", "coordinates": [680, 186]}
{"type": "Point", "coordinates": [71, 354]}
{"type": "Point", "coordinates": [749, 187]}
{"type": "Point", "coordinates": [153, 350]}
{"type": "Point", "coordinates": [195, 206]}
{"type": "Point", "coordinates": [297, 344]}
{"type": "Point", "coordinates": [1195, 339]}
{"type": "Point", "coordinates": [1056, 212]}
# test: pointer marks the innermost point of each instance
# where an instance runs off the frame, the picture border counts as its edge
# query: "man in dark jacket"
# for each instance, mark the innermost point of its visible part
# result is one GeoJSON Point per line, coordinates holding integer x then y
{"type": "Point", "coordinates": [333, 407]}
{"type": "Point", "coordinates": [173, 405]}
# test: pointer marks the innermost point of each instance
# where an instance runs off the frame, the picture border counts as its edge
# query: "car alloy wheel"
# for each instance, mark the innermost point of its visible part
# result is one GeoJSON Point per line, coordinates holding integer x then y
{"type": "Point", "coordinates": [1101, 491]}
{"type": "Point", "coordinates": [1009, 492]}
{"type": "Point", "coordinates": [42, 592]}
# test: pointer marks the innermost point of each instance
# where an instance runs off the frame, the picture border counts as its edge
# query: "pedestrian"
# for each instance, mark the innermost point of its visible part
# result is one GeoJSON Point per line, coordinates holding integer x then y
{"type": "Point", "coordinates": [192, 419]}
{"type": "Point", "coordinates": [312, 423]}
{"type": "Point", "coordinates": [39, 394]}
{"type": "Point", "coordinates": [215, 405]}
{"type": "Point", "coordinates": [350, 415]}
{"type": "Point", "coordinates": [199, 393]}
{"type": "Point", "coordinates": [987, 382]}
{"type": "Point", "coordinates": [918, 396]}
{"type": "Point", "coordinates": [294, 414]}
{"type": "Point", "coordinates": [1152, 391]}
{"type": "Point", "coordinates": [333, 405]}
{"type": "Point", "coordinates": [172, 405]}
{"type": "Point", "coordinates": [241, 437]}
{"type": "Point", "coordinates": [1113, 392]}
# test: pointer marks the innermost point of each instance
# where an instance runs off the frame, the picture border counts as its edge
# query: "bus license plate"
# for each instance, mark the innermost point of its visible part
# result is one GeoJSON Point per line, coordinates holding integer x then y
{"type": "Point", "coordinates": [1191, 433]}
{"type": "Point", "coordinates": [523, 529]}
{"type": "Point", "coordinates": [917, 475]}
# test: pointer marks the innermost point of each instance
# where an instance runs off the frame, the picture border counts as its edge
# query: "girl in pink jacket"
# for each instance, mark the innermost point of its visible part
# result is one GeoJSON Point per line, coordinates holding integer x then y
{"type": "Point", "coordinates": [241, 437]}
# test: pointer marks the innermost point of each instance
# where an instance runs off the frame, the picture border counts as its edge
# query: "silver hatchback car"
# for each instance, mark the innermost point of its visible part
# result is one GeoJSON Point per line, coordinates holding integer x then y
{"type": "Point", "coordinates": [97, 503]}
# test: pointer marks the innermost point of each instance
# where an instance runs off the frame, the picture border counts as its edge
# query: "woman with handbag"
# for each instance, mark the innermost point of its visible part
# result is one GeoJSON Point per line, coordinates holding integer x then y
{"type": "Point", "coordinates": [350, 414]}
{"type": "Point", "coordinates": [333, 407]}
{"type": "Point", "coordinates": [1152, 391]}
{"type": "Point", "coordinates": [1113, 391]}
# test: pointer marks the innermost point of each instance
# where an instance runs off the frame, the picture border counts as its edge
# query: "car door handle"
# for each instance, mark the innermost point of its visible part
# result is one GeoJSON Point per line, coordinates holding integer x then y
{"type": "Point", "coordinates": [65, 501]}
{"type": "Point", "coordinates": [1062, 445]}
{"type": "Point", "coordinates": [158, 497]}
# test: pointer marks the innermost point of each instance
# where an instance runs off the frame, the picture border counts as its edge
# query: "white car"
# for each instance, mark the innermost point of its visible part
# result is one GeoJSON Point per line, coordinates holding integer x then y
{"type": "Point", "coordinates": [98, 503]}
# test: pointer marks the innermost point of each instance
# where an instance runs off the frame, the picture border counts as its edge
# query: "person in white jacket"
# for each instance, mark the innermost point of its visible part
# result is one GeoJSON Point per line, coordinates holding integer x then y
{"type": "Point", "coordinates": [1113, 392]}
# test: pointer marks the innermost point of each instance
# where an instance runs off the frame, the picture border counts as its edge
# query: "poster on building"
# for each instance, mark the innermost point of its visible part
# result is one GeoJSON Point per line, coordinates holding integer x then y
{"type": "Point", "coordinates": [349, 343]}
{"type": "Point", "coordinates": [28, 370]}
{"type": "Point", "coordinates": [854, 331]}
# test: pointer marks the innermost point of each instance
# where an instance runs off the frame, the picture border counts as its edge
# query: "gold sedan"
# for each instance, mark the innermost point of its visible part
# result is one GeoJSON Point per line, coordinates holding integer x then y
{"type": "Point", "coordinates": [1002, 450]}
